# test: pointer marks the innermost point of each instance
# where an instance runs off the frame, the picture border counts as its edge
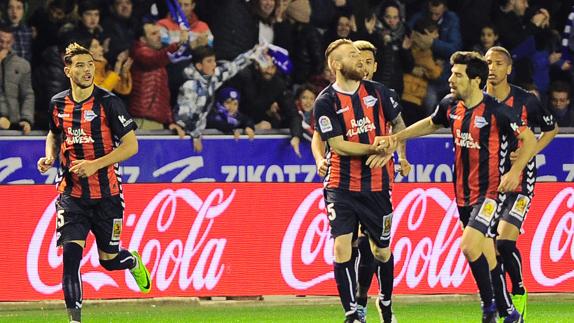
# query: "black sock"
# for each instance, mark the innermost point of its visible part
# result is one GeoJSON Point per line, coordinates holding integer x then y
{"type": "Point", "coordinates": [72, 281]}
{"type": "Point", "coordinates": [503, 301]}
{"type": "Point", "coordinates": [124, 260]}
{"type": "Point", "coordinates": [481, 275]}
{"type": "Point", "coordinates": [512, 264]}
{"type": "Point", "coordinates": [366, 270]}
{"type": "Point", "coordinates": [386, 276]}
{"type": "Point", "coordinates": [345, 277]}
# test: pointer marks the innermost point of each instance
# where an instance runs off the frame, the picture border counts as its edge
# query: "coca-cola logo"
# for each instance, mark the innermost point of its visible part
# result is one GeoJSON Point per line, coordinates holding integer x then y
{"type": "Point", "coordinates": [552, 248]}
{"type": "Point", "coordinates": [433, 255]}
{"type": "Point", "coordinates": [194, 262]}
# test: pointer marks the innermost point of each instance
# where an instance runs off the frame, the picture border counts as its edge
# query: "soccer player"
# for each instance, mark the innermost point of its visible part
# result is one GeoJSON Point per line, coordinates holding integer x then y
{"type": "Point", "coordinates": [512, 212]}
{"type": "Point", "coordinates": [88, 123]}
{"type": "Point", "coordinates": [349, 114]}
{"type": "Point", "coordinates": [479, 125]}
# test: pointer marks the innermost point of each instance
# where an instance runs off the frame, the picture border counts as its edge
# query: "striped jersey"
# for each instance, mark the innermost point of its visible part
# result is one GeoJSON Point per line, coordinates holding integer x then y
{"type": "Point", "coordinates": [481, 146]}
{"type": "Point", "coordinates": [89, 130]}
{"type": "Point", "coordinates": [358, 117]}
{"type": "Point", "coordinates": [528, 108]}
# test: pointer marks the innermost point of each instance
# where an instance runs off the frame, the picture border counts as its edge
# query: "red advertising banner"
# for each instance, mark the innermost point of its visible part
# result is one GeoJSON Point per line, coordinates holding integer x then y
{"type": "Point", "coordinates": [233, 239]}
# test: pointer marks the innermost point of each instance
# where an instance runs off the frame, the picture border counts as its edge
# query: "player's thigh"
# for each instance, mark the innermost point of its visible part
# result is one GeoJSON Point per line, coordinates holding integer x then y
{"type": "Point", "coordinates": [341, 212]}
{"type": "Point", "coordinates": [375, 213]}
{"type": "Point", "coordinates": [72, 219]}
{"type": "Point", "coordinates": [107, 224]}
{"type": "Point", "coordinates": [512, 215]}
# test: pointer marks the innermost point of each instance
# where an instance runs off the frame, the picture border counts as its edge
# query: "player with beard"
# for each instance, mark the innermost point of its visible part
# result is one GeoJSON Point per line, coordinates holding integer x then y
{"type": "Point", "coordinates": [480, 125]}
{"type": "Point", "coordinates": [94, 132]}
{"type": "Point", "coordinates": [350, 114]}
{"type": "Point", "coordinates": [512, 212]}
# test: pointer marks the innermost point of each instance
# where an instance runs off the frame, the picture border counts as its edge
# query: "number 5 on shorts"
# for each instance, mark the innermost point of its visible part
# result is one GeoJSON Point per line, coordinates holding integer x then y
{"type": "Point", "coordinates": [59, 218]}
{"type": "Point", "coordinates": [331, 211]}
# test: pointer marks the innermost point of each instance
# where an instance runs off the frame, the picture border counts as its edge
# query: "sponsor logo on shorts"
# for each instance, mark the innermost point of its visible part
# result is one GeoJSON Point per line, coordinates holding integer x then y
{"type": "Point", "coordinates": [487, 211]}
{"type": "Point", "coordinates": [387, 225]}
{"type": "Point", "coordinates": [520, 207]}
{"type": "Point", "coordinates": [117, 230]}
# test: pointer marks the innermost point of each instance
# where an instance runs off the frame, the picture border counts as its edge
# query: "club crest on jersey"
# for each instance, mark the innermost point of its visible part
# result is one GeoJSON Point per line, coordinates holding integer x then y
{"type": "Point", "coordinates": [480, 122]}
{"type": "Point", "coordinates": [325, 124]}
{"type": "Point", "coordinates": [369, 101]}
{"type": "Point", "coordinates": [89, 115]}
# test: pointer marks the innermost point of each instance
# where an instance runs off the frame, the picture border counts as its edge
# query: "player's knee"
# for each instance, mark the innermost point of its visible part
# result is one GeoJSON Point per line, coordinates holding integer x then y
{"type": "Point", "coordinates": [382, 254]}
{"type": "Point", "coordinates": [362, 291]}
{"type": "Point", "coordinates": [471, 252]}
{"type": "Point", "coordinates": [505, 247]}
{"type": "Point", "coordinates": [342, 252]}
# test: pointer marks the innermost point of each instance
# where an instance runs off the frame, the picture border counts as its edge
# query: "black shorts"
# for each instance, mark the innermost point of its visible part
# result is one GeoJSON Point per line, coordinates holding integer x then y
{"type": "Point", "coordinates": [512, 209]}
{"type": "Point", "coordinates": [478, 216]}
{"type": "Point", "coordinates": [104, 217]}
{"type": "Point", "coordinates": [372, 209]}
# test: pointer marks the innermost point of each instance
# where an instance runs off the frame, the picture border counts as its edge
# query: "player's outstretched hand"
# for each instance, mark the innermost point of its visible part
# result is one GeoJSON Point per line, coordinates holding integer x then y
{"type": "Point", "coordinates": [509, 182]}
{"type": "Point", "coordinates": [322, 167]}
{"type": "Point", "coordinates": [378, 160]}
{"type": "Point", "coordinates": [45, 163]}
{"type": "Point", "coordinates": [405, 167]}
{"type": "Point", "coordinates": [83, 168]}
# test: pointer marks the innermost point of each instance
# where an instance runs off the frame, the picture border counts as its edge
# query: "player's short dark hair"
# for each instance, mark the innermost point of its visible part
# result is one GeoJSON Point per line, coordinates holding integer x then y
{"type": "Point", "coordinates": [200, 53]}
{"type": "Point", "coordinates": [363, 45]}
{"type": "Point", "coordinates": [425, 23]}
{"type": "Point", "coordinates": [560, 86]}
{"type": "Point", "coordinates": [335, 44]}
{"type": "Point", "coordinates": [476, 65]}
{"type": "Point", "coordinates": [87, 5]}
{"type": "Point", "coordinates": [503, 51]}
{"type": "Point", "coordinates": [74, 49]}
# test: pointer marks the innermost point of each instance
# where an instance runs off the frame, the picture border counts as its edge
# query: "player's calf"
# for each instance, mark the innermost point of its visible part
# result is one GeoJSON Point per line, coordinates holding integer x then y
{"type": "Point", "coordinates": [72, 281]}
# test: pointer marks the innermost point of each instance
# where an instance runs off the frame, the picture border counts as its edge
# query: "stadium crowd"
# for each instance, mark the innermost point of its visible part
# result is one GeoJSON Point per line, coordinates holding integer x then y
{"type": "Point", "coordinates": [196, 64]}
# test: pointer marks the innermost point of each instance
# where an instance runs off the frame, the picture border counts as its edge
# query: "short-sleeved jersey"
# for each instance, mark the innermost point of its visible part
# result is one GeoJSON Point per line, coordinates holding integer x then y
{"type": "Point", "coordinates": [358, 117]}
{"type": "Point", "coordinates": [480, 136]}
{"type": "Point", "coordinates": [528, 108]}
{"type": "Point", "coordinates": [89, 130]}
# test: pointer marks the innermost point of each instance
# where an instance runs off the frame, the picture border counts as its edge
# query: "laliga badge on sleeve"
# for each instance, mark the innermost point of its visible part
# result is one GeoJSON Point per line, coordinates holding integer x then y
{"type": "Point", "coordinates": [325, 124]}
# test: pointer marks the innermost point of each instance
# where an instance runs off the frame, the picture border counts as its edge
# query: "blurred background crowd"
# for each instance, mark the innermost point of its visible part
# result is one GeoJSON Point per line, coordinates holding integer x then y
{"type": "Point", "coordinates": [190, 65]}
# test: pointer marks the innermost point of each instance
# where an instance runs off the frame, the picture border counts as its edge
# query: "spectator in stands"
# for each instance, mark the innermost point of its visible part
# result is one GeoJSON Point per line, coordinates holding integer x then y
{"type": "Point", "coordinates": [121, 27]}
{"type": "Point", "coordinates": [226, 117]}
{"type": "Point", "coordinates": [448, 42]}
{"type": "Point", "coordinates": [197, 94]}
{"type": "Point", "coordinates": [16, 94]}
{"type": "Point", "coordinates": [267, 100]}
{"type": "Point", "coordinates": [426, 68]}
{"type": "Point", "coordinates": [560, 104]}
{"type": "Point", "coordinates": [266, 14]}
{"type": "Point", "coordinates": [513, 25]}
{"type": "Point", "coordinates": [49, 79]}
{"type": "Point", "coordinates": [46, 23]}
{"type": "Point", "coordinates": [234, 27]}
{"type": "Point", "coordinates": [149, 101]}
{"type": "Point", "coordinates": [302, 40]}
{"type": "Point", "coordinates": [391, 37]}
{"type": "Point", "coordinates": [118, 79]}
{"type": "Point", "coordinates": [15, 13]}
{"type": "Point", "coordinates": [89, 24]}
{"type": "Point", "coordinates": [488, 39]}
{"type": "Point", "coordinates": [304, 100]}
{"type": "Point", "coordinates": [343, 27]}
{"type": "Point", "coordinates": [200, 35]}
